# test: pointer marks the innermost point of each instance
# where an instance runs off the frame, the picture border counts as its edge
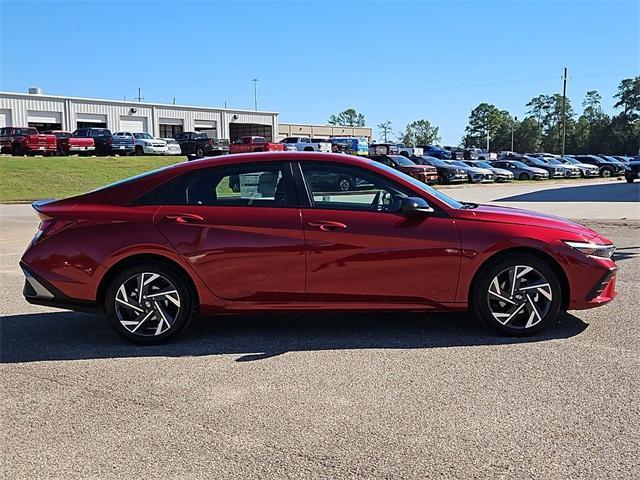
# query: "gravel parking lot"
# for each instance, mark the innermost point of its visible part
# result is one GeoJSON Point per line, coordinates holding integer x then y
{"type": "Point", "coordinates": [322, 396]}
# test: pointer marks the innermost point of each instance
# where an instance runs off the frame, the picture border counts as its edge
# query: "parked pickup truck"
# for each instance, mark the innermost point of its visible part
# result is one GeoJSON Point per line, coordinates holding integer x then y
{"type": "Point", "coordinates": [69, 145]}
{"type": "Point", "coordinates": [102, 138]}
{"type": "Point", "coordinates": [199, 144]}
{"type": "Point", "coordinates": [255, 144]}
{"type": "Point", "coordinates": [409, 151]}
{"type": "Point", "coordinates": [26, 141]}
{"type": "Point", "coordinates": [306, 144]}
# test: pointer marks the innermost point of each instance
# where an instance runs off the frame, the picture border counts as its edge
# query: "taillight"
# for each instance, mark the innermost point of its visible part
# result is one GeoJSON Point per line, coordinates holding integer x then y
{"type": "Point", "coordinates": [50, 227]}
{"type": "Point", "coordinates": [210, 142]}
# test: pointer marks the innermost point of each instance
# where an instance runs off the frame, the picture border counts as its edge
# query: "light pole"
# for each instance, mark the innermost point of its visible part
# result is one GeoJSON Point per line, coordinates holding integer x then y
{"type": "Point", "coordinates": [515, 119]}
{"type": "Point", "coordinates": [488, 139]}
{"type": "Point", "coordinates": [255, 93]}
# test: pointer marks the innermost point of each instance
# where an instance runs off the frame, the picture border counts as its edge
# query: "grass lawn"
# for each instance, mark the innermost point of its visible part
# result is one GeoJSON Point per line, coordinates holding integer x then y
{"type": "Point", "coordinates": [32, 178]}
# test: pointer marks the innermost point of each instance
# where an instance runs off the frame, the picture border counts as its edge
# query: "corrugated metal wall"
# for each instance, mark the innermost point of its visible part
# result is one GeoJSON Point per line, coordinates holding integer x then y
{"type": "Point", "coordinates": [17, 105]}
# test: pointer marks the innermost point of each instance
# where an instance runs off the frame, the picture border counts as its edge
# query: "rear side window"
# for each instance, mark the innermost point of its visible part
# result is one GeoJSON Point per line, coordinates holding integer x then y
{"type": "Point", "coordinates": [264, 185]}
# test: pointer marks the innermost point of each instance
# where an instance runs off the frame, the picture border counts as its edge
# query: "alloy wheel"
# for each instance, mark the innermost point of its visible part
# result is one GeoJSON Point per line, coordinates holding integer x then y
{"type": "Point", "coordinates": [519, 297]}
{"type": "Point", "coordinates": [147, 304]}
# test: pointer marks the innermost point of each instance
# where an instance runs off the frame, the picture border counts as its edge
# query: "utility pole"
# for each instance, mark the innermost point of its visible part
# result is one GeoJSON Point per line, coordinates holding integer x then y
{"type": "Point", "coordinates": [255, 93]}
{"type": "Point", "coordinates": [515, 119]}
{"type": "Point", "coordinates": [488, 139]}
{"type": "Point", "coordinates": [174, 100]}
{"type": "Point", "coordinates": [139, 97]}
{"type": "Point", "coordinates": [564, 110]}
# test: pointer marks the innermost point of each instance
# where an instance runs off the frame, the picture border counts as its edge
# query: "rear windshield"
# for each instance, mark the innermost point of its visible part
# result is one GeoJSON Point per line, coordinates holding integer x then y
{"type": "Point", "coordinates": [25, 131]}
{"type": "Point", "coordinates": [62, 134]}
{"type": "Point", "coordinates": [100, 132]}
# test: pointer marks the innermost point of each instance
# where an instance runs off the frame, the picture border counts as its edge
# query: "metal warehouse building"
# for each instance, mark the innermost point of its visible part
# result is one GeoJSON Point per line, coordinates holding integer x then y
{"type": "Point", "coordinates": [53, 112]}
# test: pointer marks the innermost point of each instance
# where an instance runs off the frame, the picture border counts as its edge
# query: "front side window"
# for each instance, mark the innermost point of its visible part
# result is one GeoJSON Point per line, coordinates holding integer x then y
{"type": "Point", "coordinates": [243, 185]}
{"type": "Point", "coordinates": [350, 188]}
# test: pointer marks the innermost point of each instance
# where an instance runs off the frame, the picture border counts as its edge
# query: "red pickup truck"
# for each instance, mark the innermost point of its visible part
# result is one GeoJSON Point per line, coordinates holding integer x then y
{"type": "Point", "coordinates": [69, 145]}
{"type": "Point", "coordinates": [254, 144]}
{"type": "Point", "coordinates": [26, 140]}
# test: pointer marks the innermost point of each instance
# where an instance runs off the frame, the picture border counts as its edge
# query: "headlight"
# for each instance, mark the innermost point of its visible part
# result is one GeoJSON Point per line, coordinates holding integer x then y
{"type": "Point", "coordinates": [593, 249]}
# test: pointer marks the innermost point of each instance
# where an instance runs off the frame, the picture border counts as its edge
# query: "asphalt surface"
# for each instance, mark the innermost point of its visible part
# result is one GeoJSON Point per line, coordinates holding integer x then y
{"type": "Point", "coordinates": [320, 396]}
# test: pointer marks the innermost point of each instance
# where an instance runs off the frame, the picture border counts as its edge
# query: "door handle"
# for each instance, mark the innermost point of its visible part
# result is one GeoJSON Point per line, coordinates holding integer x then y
{"type": "Point", "coordinates": [327, 226]}
{"type": "Point", "coordinates": [185, 218]}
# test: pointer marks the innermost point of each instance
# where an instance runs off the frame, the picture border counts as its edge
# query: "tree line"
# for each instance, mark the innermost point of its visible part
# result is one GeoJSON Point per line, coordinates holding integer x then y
{"type": "Point", "coordinates": [592, 131]}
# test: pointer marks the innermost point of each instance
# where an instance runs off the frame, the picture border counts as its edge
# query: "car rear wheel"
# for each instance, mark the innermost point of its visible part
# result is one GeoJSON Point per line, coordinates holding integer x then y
{"type": "Point", "coordinates": [517, 296]}
{"type": "Point", "coordinates": [523, 176]}
{"type": "Point", "coordinates": [138, 150]}
{"type": "Point", "coordinates": [199, 152]}
{"type": "Point", "coordinates": [344, 184]}
{"type": "Point", "coordinates": [606, 172]}
{"type": "Point", "coordinates": [149, 303]}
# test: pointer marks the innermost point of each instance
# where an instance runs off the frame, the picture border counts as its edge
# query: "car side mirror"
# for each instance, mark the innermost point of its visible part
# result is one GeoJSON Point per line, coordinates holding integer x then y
{"type": "Point", "coordinates": [411, 206]}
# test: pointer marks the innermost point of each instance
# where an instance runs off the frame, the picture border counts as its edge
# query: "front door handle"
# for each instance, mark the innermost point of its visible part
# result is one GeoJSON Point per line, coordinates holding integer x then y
{"type": "Point", "coordinates": [328, 226]}
{"type": "Point", "coordinates": [185, 218]}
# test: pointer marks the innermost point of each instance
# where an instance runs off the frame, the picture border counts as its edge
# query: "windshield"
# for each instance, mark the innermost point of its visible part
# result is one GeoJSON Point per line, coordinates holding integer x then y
{"type": "Point", "coordinates": [482, 165]}
{"type": "Point", "coordinates": [62, 134]}
{"type": "Point", "coordinates": [571, 160]}
{"type": "Point", "coordinates": [423, 187]}
{"type": "Point", "coordinates": [402, 160]}
{"type": "Point", "coordinates": [142, 135]}
{"type": "Point", "coordinates": [435, 161]}
{"type": "Point", "coordinates": [458, 164]}
{"type": "Point", "coordinates": [554, 161]}
{"type": "Point", "coordinates": [537, 161]}
{"type": "Point", "coordinates": [519, 164]}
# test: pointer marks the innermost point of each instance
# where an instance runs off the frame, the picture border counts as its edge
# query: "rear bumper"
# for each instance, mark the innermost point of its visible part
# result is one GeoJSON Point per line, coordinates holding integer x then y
{"type": "Point", "coordinates": [81, 148]}
{"type": "Point", "coordinates": [38, 291]}
{"type": "Point", "coordinates": [40, 148]}
{"type": "Point", "coordinates": [122, 148]}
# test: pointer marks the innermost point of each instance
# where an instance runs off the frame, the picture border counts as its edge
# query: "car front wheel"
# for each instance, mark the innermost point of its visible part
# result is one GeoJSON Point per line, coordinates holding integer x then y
{"type": "Point", "coordinates": [517, 296]}
{"type": "Point", "coordinates": [149, 303]}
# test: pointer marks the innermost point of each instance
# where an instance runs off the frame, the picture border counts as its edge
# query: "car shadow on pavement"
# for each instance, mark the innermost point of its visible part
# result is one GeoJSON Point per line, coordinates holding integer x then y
{"type": "Point", "coordinates": [609, 192]}
{"type": "Point", "coordinates": [76, 336]}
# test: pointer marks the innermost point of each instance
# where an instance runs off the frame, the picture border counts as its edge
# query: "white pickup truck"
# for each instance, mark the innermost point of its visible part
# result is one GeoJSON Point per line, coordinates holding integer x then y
{"type": "Point", "coordinates": [306, 144]}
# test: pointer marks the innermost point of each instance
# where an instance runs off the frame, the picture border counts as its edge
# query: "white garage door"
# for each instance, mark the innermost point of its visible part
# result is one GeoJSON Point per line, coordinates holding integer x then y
{"type": "Point", "coordinates": [5, 118]}
{"type": "Point", "coordinates": [133, 124]}
{"type": "Point", "coordinates": [44, 117]}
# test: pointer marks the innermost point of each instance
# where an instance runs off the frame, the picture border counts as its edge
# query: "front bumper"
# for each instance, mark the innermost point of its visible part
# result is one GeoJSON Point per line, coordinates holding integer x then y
{"type": "Point", "coordinates": [151, 150]}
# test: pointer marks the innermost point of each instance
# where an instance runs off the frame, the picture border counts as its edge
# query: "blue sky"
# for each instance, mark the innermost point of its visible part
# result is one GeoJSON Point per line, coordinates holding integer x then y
{"type": "Point", "coordinates": [396, 61]}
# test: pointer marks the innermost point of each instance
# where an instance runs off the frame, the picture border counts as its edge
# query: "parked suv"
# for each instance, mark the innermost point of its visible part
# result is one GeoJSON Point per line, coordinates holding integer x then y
{"type": "Point", "coordinates": [124, 143]}
{"type": "Point", "coordinates": [586, 170]}
{"type": "Point", "coordinates": [26, 141]}
{"type": "Point", "coordinates": [446, 173]}
{"type": "Point", "coordinates": [424, 173]}
{"type": "Point", "coordinates": [607, 169]}
{"type": "Point", "coordinates": [102, 138]}
{"type": "Point", "coordinates": [554, 171]}
{"type": "Point", "coordinates": [632, 171]}
{"type": "Point", "coordinates": [306, 144]}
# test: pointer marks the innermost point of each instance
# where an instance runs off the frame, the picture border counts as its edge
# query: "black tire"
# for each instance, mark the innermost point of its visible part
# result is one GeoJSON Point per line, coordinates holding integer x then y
{"type": "Point", "coordinates": [199, 152]}
{"type": "Point", "coordinates": [145, 336]}
{"type": "Point", "coordinates": [606, 172]}
{"type": "Point", "coordinates": [138, 150]}
{"type": "Point", "coordinates": [16, 150]}
{"type": "Point", "coordinates": [308, 149]}
{"type": "Point", "coordinates": [629, 180]}
{"type": "Point", "coordinates": [524, 176]}
{"type": "Point", "coordinates": [479, 296]}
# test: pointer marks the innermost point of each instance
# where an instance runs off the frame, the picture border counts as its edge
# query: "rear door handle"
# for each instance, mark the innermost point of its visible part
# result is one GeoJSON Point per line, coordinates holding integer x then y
{"type": "Point", "coordinates": [185, 218]}
{"type": "Point", "coordinates": [328, 226]}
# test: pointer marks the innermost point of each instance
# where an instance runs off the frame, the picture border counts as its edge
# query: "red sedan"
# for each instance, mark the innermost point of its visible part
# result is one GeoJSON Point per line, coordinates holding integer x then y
{"type": "Point", "coordinates": [273, 232]}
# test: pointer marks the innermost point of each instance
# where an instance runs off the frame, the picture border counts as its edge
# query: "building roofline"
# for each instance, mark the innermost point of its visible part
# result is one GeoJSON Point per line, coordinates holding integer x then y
{"type": "Point", "coordinates": [316, 125]}
{"type": "Point", "coordinates": [133, 102]}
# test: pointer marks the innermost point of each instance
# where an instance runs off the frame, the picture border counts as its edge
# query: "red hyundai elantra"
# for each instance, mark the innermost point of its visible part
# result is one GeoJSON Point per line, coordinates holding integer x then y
{"type": "Point", "coordinates": [305, 231]}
